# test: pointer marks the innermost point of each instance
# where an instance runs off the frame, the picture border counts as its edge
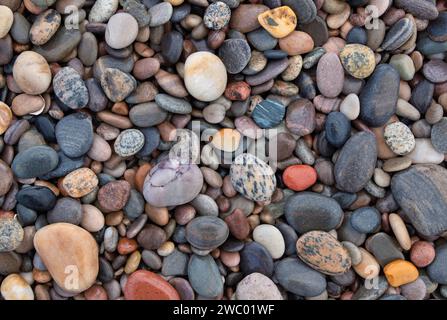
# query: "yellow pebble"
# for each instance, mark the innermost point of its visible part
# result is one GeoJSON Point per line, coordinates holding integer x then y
{"type": "Point", "coordinates": [400, 272]}
{"type": "Point", "coordinates": [279, 22]}
{"type": "Point", "coordinates": [132, 262]}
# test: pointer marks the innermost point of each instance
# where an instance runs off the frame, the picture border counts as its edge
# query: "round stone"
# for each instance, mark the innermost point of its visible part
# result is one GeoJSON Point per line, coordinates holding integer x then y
{"type": "Point", "coordinates": [121, 30]}
{"type": "Point", "coordinates": [217, 15]}
{"type": "Point", "coordinates": [338, 129]}
{"type": "Point", "coordinates": [102, 10]}
{"type": "Point", "coordinates": [358, 60]}
{"type": "Point", "coordinates": [34, 162]}
{"type": "Point", "coordinates": [79, 183]}
{"type": "Point", "coordinates": [252, 177]}
{"type": "Point", "coordinates": [257, 286]}
{"type": "Point", "coordinates": [299, 177]}
{"type": "Point", "coordinates": [160, 13]}
{"type": "Point", "coordinates": [205, 76]}
{"type": "Point", "coordinates": [6, 20]}
{"type": "Point", "coordinates": [172, 104]}
{"type": "Point", "coordinates": [350, 106]}
{"type": "Point", "coordinates": [404, 65]}
{"type": "Point", "coordinates": [170, 177]}
{"type": "Point", "coordinates": [330, 75]}
{"type": "Point", "coordinates": [146, 285]}
{"type": "Point", "coordinates": [422, 253]}
{"type": "Point", "coordinates": [271, 238]}
{"type": "Point", "coordinates": [32, 73]}
{"type": "Point", "coordinates": [439, 136]}
{"type": "Point", "coordinates": [15, 287]}
{"type": "Point", "coordinates": [37, 198]}
{"type": "Point", "coordinates": [279, 22]}
{"type": "Point", "coordinates": [70, 88]}
{"type": "Point", "coordinates": [11, 234]}
{"type": "Point", "coordinates": [6, 178]}
{"type": "Point", "coordinates": [366, 220]}
{"type": "Point", "coordinates": [209, 286]}
{"type": "Point", "coordinates": [235, 55]}
{"type": "Point", "coordinates": [206, 233]}
{"type": "Point", "coordinates": [66, 210]}
{"type": "Point", "coordinates": [74, 134]}
{"type": "Point", "coordinates": [129, 142]}
{"type": "Point", "coordinates": [256, 258]}
{"type": "Point", "coordinates": [92, 218]}
{"type": "Point", "coordinates": [114, 195]}
{"type": "Point", "coordinates": [399, 138]}
{"type": "Point", "coordinates": [117, 85]}
{"type": "Point", "coordinates": [44, 27]}
{"type": "Point", "coordinates": [268, 113]}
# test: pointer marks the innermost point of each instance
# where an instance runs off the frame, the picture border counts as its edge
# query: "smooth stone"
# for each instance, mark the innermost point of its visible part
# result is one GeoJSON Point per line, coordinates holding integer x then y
{"type": "Point", "coordinates": [261, 40]}
{"type": "Point", "coordinates": [372, 292]}
{"type": "Point", "coordinates": [206, 233]}
{"type": "Point", "coordinates": [257, 286]}
{"type": "Point", "coordinates": [15, 287]}
{"type": "Point", "coordinates": [305, 10]}
{"type": "Point", "coordinates": [129, 142]}
{"type": "Point", "coordinates": [338, 129]}
{"type": "Point", "coordinates": [11, 234]}
{"type": "Point", "coordinates": [300, 118]}
{"type": "Point", "coordinates": [44, 27]}
{"type": "Point", "coordinates": [436, 270]}
{"type": "Point", "coordinates": [296, 277]}
{"type": "Point", "coordinates": [272, 70]}
{"type": "Point", "coordinates": [358, 60]}
{"type": "Point", "coordinates": [297, 42]}
{"type": "Point", "coordinates": [419, 8]}
{"type": "Point", "coordinates": [422, 95]}
{"type": "Point", "coordinates": [151, 141]}
{"type": "Point", "coordinates": [173, 105]}
{"type": "Point", "coordinates": [105, 62]}
{"type": "Point", "coordinates": [117, 24]}
{"type": "Point", "coordinates": [10, 262]}
{"type": "Point", "coordinates": [114, 195]}
{"type": "Point", "coordinates": [169, 177]}
{"type": "Point", "coordinates": [330, 75]}
{"type": "Point", "coordinates": [217, 15]}
{"type": "Point", "coordinates": [378, 98]}
{"type": "Point", "coordinates": [146, 285]}
{"type": "Point", "coordinates": [350, 106]}
{"type": "Point", "coordinates": [147, 114]}
{"type": "Point", "coordinates": [79, 183]}
{"type": "Point", "coordinates": [138, 11]}
{"type": "Point", "coordinates": [424, 152]}
{"type": "Point", "coordinates": [31, 73]}
{"type": "Point", "coordinates": [268, 113]}
{"type": "Point", "coordinates": [34, 162]}
{"type": "Point", "coordinates": [437, 29]}
{"type": "Point", "coordinates": [399, 138]}
{"type": "Point", "coordinates": [7, 19]}
{"type": "Point", "coordinates": [6, 178]}
{"type": "Point", "coordinates": [205, 76]}
{"type": "Point", "coordinates": [134, 206]}
{"type": "Point", "coordinates": [92, 218]}
{"type": "Point", "coordinates": [160, 14]}
{"type": "Point", "coordinates": [356, 162]}
{"type": "Point", "coordinates": [439, 135]}
{"type": "Point", "coordinates": [398, 35]}
{"type": "Point", "coordinates": [420, 193]}
{"type": "Point", "coordinates": [117, 85]}
{"type": "Point", "coordinates": [307, 211]}
{"type": "Point", "coordinates": [66, 210]}
{"type": "Point", "coordinates": [60, 45]}
{"type": "Point", "coordinates": [204, 276]}
{"type": "Point", "coordinates": [366, 219]}
{"type": "Point", "coordinates": [435, 71]}
{"type": "Point", "coordinates": [102, 10]}
{"type": "Point", "coordinates": [62, 246]}
{"type": "Point", "coordinates": [376, 35]}
{"type": "Point", "coordinates": [20, 29]}
{"type": "Point", "coordinates": [323, 252]}
{"type": "Point", "coordinates": [404, 64]}
{"type": "Point", "coordinates": [6, 50]}
{"type": "Point", "coordinates": [252, 177]}
{"type": "Point", "coordinates": [88, 49]}
{"type": "Point", "coordinates": [290, 237]}
{"type": "Point", "coordinates": [256, 258]}
{"type": "Point", "coordinates": [357, 35]}
{"type": "Point", "coordinates": [175, 264]}
{"type": "Point", "coordinates": [428, 47]}
{"type": "Point", "coordinates": [100, 150]}
{"type": "Point", "coordinates": [271, 238]}
{"type": "Point", "coordinates": [70, 89]}
{"type": "Point", "coordinates": [65, 166]}
{"type": "Point", "coordinates": [317, 29]}
{"type": "Point", "coordinates": [415, 290]}
{"type": "Point", "coordinates": [312, 58]}
{"type": "Point", "coordinates": [344, 199]}
{"type": "Point", "coordinates": [245, 17]}
{"type": "Point", "coordinates": [37, 198]}
{"type": "Point", "coordinates": [171, 46]}
{"type": "Point", "coordinates": [235, 55]}
{"type": "Point", "coordinates": [279, 22]}
{"type": "Point", "coordinates": [74, 134]}
{"type": "Point", "coordinates": [205, 205]}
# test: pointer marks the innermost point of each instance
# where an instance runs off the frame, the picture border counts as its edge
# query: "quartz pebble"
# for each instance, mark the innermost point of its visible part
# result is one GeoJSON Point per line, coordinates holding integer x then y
{"type": "Point", "coordinates": [32, 73]}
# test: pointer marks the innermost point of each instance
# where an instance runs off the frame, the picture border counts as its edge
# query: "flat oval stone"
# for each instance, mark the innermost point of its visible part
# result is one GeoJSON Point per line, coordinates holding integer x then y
{"type": "Point", "coordinates": [160, 14]}
{"type": "Point", "coordinates": [366, 219]}
{"type": "Point", "coordinates": [252, 177]}
{"type": "Point", "coordinates": [419, 8]}
{"type": "Point", "coordinates": [437, 29]}
{"type": "Point", "coordinates": [358, 60]}
{"type": "Point", "coordinates": [424, 152]}
{"type": "Point", "coordinates": [44, 27]}
{"type": "Point", "coordinates": [245, 17]}
{"type": "Point", "coordinates": [66, 210]}
{"type": "Point", "coordinates": [60, 45]}
{"type": "Point", "coordinates": [422, 95]}
{"type": "Point", "coordinates": [217, 15]}
{"type": "Point", "coordinates": [117, 24]}
{"type": "Point", "coordinates": [129, 142]}
{"type": "Point", "coordinates": [300, 118]}
{"type": "Point", "coordinates": [146, 285]}
{"type": "Point", "coordinates": [147, 114]}
{"type": "Point", "coordinates": [338, 129]}
{"type": "Point", "coordinates": [272, 70]}
{"type": "Point", "coordinates": [384, 248]}
{"type": "Point", "coordinates": [205, 76]}
{"type": "Point", "coordinates": [79, 183]}
{"type": "Point", "coordinates": [257, 286]}
{"type": "Point", "coordinates": [235, 55]}
{"type": "Point", "coordinates": [74, 134]}
{"type": "Point", "coordinates": [20, 29]}
{"type": "Point", "coordinates": [171, 46]}
{"type": "Point", "coordinates": [435, 71]}
{"type": "Point", "coordinates": [436, 270]}
{"type": "Point", "coordinates": [378, 98]}
{"type": "Point", "coordinates": [37, 198]}
{"type": "Point", "coordinates": [330, 75]}
{"type": "Point", "coordinates": [398, 34]}
{"type": "Point", "coordinates": [439, 136]}
{"type": "Point", "coordinates": [256, 258]}
{"type": "Point", "coordinates": [305, 10]}
{"type": "Point", "coordinates": [399, 138]}
{"type": "Point", "coordinates": [172, 104]}
{"type": "Point", "coordinates": [323, 252]}
{"type": "Point", "coordinates": [206, 233]}
{"type": "Point", "coordinates": [296, 277]}
{"type": "Point", "coordinates": [268, 113]}
{"type": "Point", "coordinates": [117, 85]}
{"type": "Point", "coordinates": [170, 177]}
{"type": "Point", "coordinates": [34, 162]}
{"type": "Point", "coordinates": [279, 22]}
{"type": "Point", "coordinates": [102, 10]}
{"type": "Point", "coordinates": [421, 193]}
{"type": "Point", "coordinates": [271, 238]}
{"type": "Point", "coordinates": [31, 72]}
{"type": "Point", "coordinates": [64, 247]}
{"type": "Point", "coordinates": [356, 162]}
{"type": "Point", "coordinates": [151, 237]}
{"type": "Point", "coordinates": [114, 195]}
{"type": "Point", "coordinates": [11, 234]}
{"type": "Point", "coordinates": [208, 286]}
{"type": "Point", "coordinates": [307, 211]}
{"type": "Point", "coordinates": [6, 178]}
{"type": "Point", "coordinates": [261, 40]}
{"type": "Point", "coordinates": [70, 88]}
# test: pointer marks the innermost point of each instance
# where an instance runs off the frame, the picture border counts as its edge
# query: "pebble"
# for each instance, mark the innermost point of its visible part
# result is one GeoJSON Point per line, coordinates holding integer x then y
{"type": "Point", "coordinates": [252, 177]}
{"type": "Point", "coordinates": [160, 14]}
{"type": "Point", "coordinates": [300, 118]}
{"type": "Point", "coordinates": [384, 248]}
{"type": "Point", "coordinates": [379, 97]}
{"type": "Point", "coordinates": [169, 176]}
{"type": "Point", "coordinates": [298, 278]}
{"type": "Point", "coordinates": [92, 218]}
{"type": "Point", "coordinates": [306, 11]}
{"type": "Point", "coordinates": [435, 71]}
{"type": "Point", "coordinates": [235, 55]}
{"type": "Point", "coordinates": [147, 115]}
{"type": "Point", "coordinates": [74, 134]}
{"type": "Point", "coordinates": [257, 286]}
{"type": "Point", "coordinates": [102, 10]}
{"type": "Point", "coordinates": [129, 142]}
{"type": "Point", "coordinates": [34, 162]}
{"type": "Point", "coordinates": [307, 211]}
{"type": "Point", "coordinates": [268, 113]}
{"type": "Point", "coordinates": [245, 17]}
{"type": "Point", "coordinates": [366, 220]}
{"type": "Point", "coordinates": [151, 237]}
{"type": "Point", "coordinates": [273, 69]}
{"type": "Point", "coordinates": [175, 264]}
{"type": "Point", "coordinates": [400, 272]}
{"type": "Point", "coordinates": [338, 129]}
{"type": "Point", "coordinates": [44, 27]}
{"type": "Point", "coordinates": [422, 95]}
{"type": "Point", "coordinates": [416, 290]}
{"type": "Point", "coordinates": [146, 285]}
{"type": "Point", "coordinates": [271, 238]}
{"type": "Point", "coordinates": [172, 104]}
{"type": "Point", "coordinates": [117, 85]}
{"type": "Point", "coordinates": [297, 42]}
{"type": "Point", "coordinates": [404, 65]}
{"type": "Point", "coordinates": [217, 15]}
{"type": "Point", "coordinates": [419, 8]}
{"type": "Point", "coordinates": [238, 224]}
{"type": "Point", "coordinates": [366, 292]}
{"type": "Point", "coordinates": [31, 73]}
{"type": "Point", "coordinates": [356, 162]}
{"type": "Point", "coordinates": [424, 152]}
{"type": "Point", "coordinates": [70, 89]}
{"type": "Point", "coordinates": [66, 210]}
{"type": "Point", "coordinates": [11, 234]}
{"type": "Point", "coordinates": [36, 198]}
{"type": "Point", "coordinates": [210, 286]}
{"type": "Point", "coordinates": [7, 18]}
{"type": "Point", "coordinates": [279, 22]}
{"type": "Point", "coordinates": [423, 209]}
{"type": "Point", "coordinates": [206, 233]}
{"type": "Point", "coordinates": [62, 247]}
{"type": "Point", "coordinates": [256, 258]}
{"type": "Point", "coordinates": [114, 195]}
{"type": "Point", "coordinates": [399, 138]}
{"type": "Point", "coordinates": [115, 36]}
{"type": "Point", "coordinates": [436, 270]}
{"type": "Point", "coordinates": [261, 40]}
{"type": "Point", "coordinates": [299, 177]}
{"type": "Point", "coordinates": [398, 34]}
{"type": "Point", "coordinates": [15, 287]}
{"type": "Point", "coordinates": [60, 45]}
{"type": "Point", "coordinates": [79, 183]}
{"type": "Point", "coordinates": [368, 268]}
{"type": "Point", "coordinates": [205, 76]}
{"type": "Point", "coordinates": [358, 60]}
{"type": "Point", "coordinates": [437, 28]}
{"type": "Point", "coordinates": [5, 117]}
{"type": "Point", "coordinates": [330, 75]}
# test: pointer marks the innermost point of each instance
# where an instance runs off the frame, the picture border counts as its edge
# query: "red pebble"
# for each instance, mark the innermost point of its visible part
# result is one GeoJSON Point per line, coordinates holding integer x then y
{"type": "Point", "coordinates": [299, 177]}
{"type": "Point", "coordinates": [146, 285]}
{"type": "Point", "coordinates": [422, 253]}
{"type": "Point", "coordinates": [239, 90]}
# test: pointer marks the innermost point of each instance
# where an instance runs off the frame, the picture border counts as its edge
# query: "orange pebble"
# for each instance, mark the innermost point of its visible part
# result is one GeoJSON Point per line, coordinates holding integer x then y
{"type": "Point", "coordinates": [299, 177]}
{"type": "Point", "coordinates": [126, 246]}
{"type": "Point", "coordinates": [400, 272]}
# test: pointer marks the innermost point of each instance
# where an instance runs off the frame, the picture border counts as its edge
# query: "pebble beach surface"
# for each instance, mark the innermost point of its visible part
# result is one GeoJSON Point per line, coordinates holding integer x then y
{"type": "Point", "coordinates": [223, 149]}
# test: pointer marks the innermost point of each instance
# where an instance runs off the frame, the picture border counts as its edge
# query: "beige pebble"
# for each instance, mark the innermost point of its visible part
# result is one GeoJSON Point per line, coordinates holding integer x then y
{"type": "Point", "coordinates": [132, 262]}
{"type": "Point", "coordinates": [406, 110]}
{"type": "Point", "coordinates": [6, 20]}
{"type": "Point", "coordinates": [15, 287]}
{"type": "Point", "coordinates": [32, 73]}
{"type": "Point", "coordinates": [368, 268]}
{"type": "Point", "coordinates": [381, 178]}
{"type": "Point", "coordinates": [350, 106]}
{"type": "Point", "coordinates": [92, 218]}
{"type": "Point", "coordinates": [166, 249]}
{"type": "Point", "coordinates": [400, 231]}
